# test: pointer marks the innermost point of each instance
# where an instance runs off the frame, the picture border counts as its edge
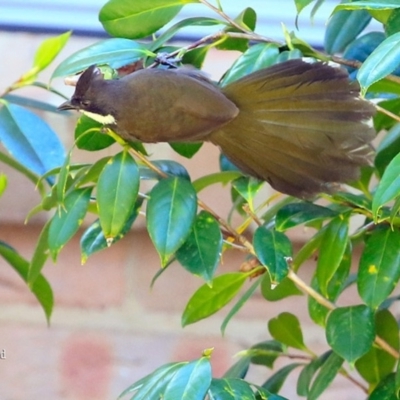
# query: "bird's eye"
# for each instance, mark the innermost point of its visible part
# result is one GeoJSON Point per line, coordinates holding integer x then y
{"type": "Point", "coordinates": [85, 103]}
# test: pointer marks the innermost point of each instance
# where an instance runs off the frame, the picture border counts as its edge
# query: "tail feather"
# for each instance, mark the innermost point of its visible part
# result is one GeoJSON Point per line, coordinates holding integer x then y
{"type": "Point", "coordinates": [302, 127]}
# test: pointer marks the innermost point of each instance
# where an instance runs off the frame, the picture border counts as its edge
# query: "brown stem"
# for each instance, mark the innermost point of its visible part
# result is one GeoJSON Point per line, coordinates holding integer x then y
{"type": "Point", "coordinates": [387, 112]}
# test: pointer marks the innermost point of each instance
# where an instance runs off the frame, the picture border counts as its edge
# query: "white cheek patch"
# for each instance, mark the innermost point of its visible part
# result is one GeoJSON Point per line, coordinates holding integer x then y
{"type": "Point", "coordinates": [103, 119]}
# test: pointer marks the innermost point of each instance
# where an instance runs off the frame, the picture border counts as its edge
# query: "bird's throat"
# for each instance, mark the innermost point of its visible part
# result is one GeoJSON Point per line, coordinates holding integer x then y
{"type": "Point", "coordinates": [103, 119]}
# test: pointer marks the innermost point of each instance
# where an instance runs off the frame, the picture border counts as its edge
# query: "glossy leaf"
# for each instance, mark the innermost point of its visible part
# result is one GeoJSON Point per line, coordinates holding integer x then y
{"type": "Point", "coordinates": [117, 190]}
{"type": "Point", "coordinates": [115, 52]}
{"type": "Point", "coordinates": [389, 186]}
{"type": "Point", "coordinates": [67, 219]}
{"type": "Point", "coordinates": [40, 288]}
{"type": "Point", "coordinates": [256, 57]}
{"type": "Point", "coordinates": [308, 249]}
{"type": "Point", "coordinates": [191, 381]}
{"type": "Point", "coordinates": [382, 62]}
{"type": "Point", "coordinates": [218, 177]}
{"type": "Point", "coordinates": [379, 269]}
{"type": "Point", "coordinates": [169, 167]}
{"type": "Point", "coordinates": [171, 211]}
{"type": "Point", "coordinates": [368, 5]}
{"type": "Point", "coordinates": [331, 251]}
{"type": "Point", "coordinates": [275, 382]}
{"type": "Point", "coordinates": [29, 139]}
{"type": "Point", "coordinates": [138, 19]}
{"type": "Point", "coordinates": [350, 331]}
{"type": "Point", "coordinates": [247, 187]}
{"type": "Point", "coordinates": [325, 376]}
{"type": "Point", "coordinates": [273, 250]}
{"type": "Point", "coordinates": [343, 27]}
{"type": "Point", "coordinates": [383, 121]}
{"type": "Point", "coordinates": [89, 135]}
{"type": "Point", "coordinates": [284, 289]}
{"type": "Point", "coordinates": [295, 214]}
{"type": "Point", "coordinates": [239, 304]}
{"type": "Point", "coordinates": [91, 174]}
{"type": "Point", "coordinates": [201, 252]}
{"type": "Point", "coordinates": [307, 374]}
{"type": "Point", "coordinates": [239, 369]}
{"type": "Point", "coordinates": [377, 363]}
{"type": "Point", "coordinates": [392, 24]}
{"type": "Point", "coordinates": [286, 329]}
{"type": "Point", "coordinates": [230, 389]}
{"type": "Point", "coordinates": [187, 150]}
{"type": "Point", "coordinates": [93, 239]}
{"type": "Point", "coordinates": [196, 58]}
{"type": "Point", "coordinates": [40, 255]}
{"type": "Point", "coordinates": [385, 390]}
{"type": "Point", "coordinates": [207, 300]}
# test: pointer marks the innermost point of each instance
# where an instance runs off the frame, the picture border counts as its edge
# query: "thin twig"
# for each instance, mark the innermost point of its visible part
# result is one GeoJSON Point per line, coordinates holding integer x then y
{"type": "Point", "coordinates": [387, 112]}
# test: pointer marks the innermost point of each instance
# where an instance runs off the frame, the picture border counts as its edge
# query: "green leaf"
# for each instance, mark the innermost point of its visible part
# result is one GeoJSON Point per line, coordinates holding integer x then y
{"type": "Point", "coordinates": [255, 58]}
{"type": "Point", "coordinates": [325, 376]}
{"type": "Point", "coordinates": [91, 174]}
{"type": "Point", "coordinates": [388, 149]}
{"type": "Point", "coordinates": [169, 167]}
{"type": "Point", "coordinates": [392, 24]}
{"type": "Point", "coordinates": [308, 372]}
{"type": "Point", "coordinates": [230, 389]}
{"type": "Point", "coordinates": [300, 4]}
{"type": "Point", "coordinates": [247, 187]}
{"type": "Point", "coordinates": [273, 249]}
{"type": "Point", "coordinates": [389, 186]}
{"type": "Point", "coordinates": [218, 177]}
{"type": "Point", "coordinates": [39, 256]}
{"type": "Point", "coordinates": [308, 249]}
{"type": "Point", "coordinates": [368, 5]}
{"type": "Point", "coordinates": [382, 62]}
{"type": "Point", "coordinates": [379, 269]}
{"type": "Point", "coordinates": [383, 121]}
{"type": "Point", "coordinates": [187, 150]}
{"type": "Point", "coordinates": [171, 211]}
{"type": "Point", "coordinates": [29, 139]}
{"type": "Point", "coordinates": [275, 382]}
{"type": "Point", "coordinates": [138, 19]}
{"type": "Point", "coordinates": [89, 135]}
{"type": "Point", "coordinates": [115, 52]}
{"type": "Point", "coordinates": [239, 304]}
{"type": "Point", "coordinates": [284, 289]}
{"type": "Point", "coordinates": [386, 389]}
{"type": "Point", "coordinates": [295, 214]}
{"type": "Point", "coordinates": [3, 183]}
{"type": "Point", "coordinates": [350, 331]}
{"type": "Point", "coordinates": [208, 300]}
{"type": "Point", "coordinates": [68, 219]}
{"type": "Point", "coordinates": [117, 191]}
{"type": "Point", "coordinates": [286, 329]}
{"type": "Point", "coordinates": [239, 369]}
{"type": "Point", "coordinates": [196, 58]}
{"type": "Point", "coordinates": [201, 252]}
{"type": "Point", "coordinates": [191, 381]}
{"type": "Point", "coordinates": [343, 27]}
{"type": "Point", "coordinates": [93, 238]}
{"type": "Point", "coordinates": [40, 288]}
{"type": "Point", "coordinates": [265, 353]}
{"type": "Point", "coordinates": [332, 248]}
{"type": "Point", "coordinates": [377, 363]}
{"type": "Point", "coordinates": [48, 50]}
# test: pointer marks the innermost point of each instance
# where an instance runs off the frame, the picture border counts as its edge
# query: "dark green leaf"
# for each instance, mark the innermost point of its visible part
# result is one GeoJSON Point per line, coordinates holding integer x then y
{"type": "Point", "coordinates": [384, 121]}
{"type": "Point", "coordinates": [218, 177]}
{"type": "Point", "coordinates": [247, 187]}
{"type": "Point", "coordinates": [299, 213]}
{"type": "Point", "coordinates": [89, 135]}
{"type": "Point", "coordinates": [308, 249]}
{"type": "Point", "coordinates": [275, 382]}
{"type": "Point", "coordinates": [67, 219]}
{"type": "Point", "coordinates": [273, 249]}
{"type": "Point", "coordinates": [208, 300]}
{"type": "Point", "coordinates": [308, 372]}
{"type": "Point", "coordinates": [169, 167]}
{"type": "Point", "coordinates": [239, 369]}
{"type": "Point", "coordinates": [239, 304]}
{"type": "Point", "coordinates": [191, 381]}
{"type": "Point", "coordinates": [386, 389]}
{"type": "Point", "coordinates": [350, 331]}
{"type": "Point", "coordinates": [284, 289]}
{"type": "Point", "coordinates": [392, 24]}
{"type": "Point", "coordinates": [117, 190]}
{"type": "Point", "coordinates": [343, 27]}
{"type": "Point", "coordinates": [171, 211]}
{"type": "Point", "coordinates": [40, 288]}
{"type": "Point", "coordinates": [286, 329]}
{"type": "Point", "coordinates": [256, 57]}
{"type": "Point", "coordinates": [196, 58]}
{"type": "Point", "coordinates": [91, 174]}
{"type": "Point", "coordinates": [29, 139]}
{"type": "Point", "coordinates": [115, 52]}
{"type": "Point", "coordinates": [325, 376]}
{"type": "Point", "coordinates": [379, 269]}
{"type": "Point", "coordinates": [138, 19]}
{"type": "Point", "coordinates": [93, 238]}
{"type": "Point", "coordinates": [187, 150]}
{"type": "Point", "coordinates": [377, 363]}
{"type": "Point", "coordinates": [382, 62]}
{"type": "Point", "coordinates": [202, 249]}
{"type": "Point", "coordinates": [265, 353]}
{"type": "Point", "coordinates": [332, 248]}
{"type": "Point", "coordinates": [230, 389]}
{"type": "Point", "coordinates": [387, 149]}
{"type": "Point", "coordinates": [355, 200]}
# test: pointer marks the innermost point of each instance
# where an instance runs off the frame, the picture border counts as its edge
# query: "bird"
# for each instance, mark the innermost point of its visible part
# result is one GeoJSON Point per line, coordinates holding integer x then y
{"type": "Point", "coordinates": [300, 126]}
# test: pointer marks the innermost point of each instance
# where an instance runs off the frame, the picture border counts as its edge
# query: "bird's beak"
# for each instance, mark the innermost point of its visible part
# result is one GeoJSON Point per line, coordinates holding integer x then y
{"type": "Point", "coordinates": [66, 106]}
